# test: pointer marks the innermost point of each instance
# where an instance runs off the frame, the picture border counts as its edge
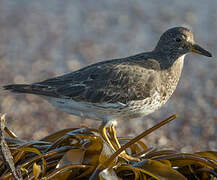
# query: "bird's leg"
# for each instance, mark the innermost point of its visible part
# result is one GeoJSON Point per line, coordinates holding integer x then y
{"type": "Point", "coordinates": [112, 140]}
{"type": "Point", "coordinates": [103, 133]}
{"type": "Point", "coordinates": [113, 135]}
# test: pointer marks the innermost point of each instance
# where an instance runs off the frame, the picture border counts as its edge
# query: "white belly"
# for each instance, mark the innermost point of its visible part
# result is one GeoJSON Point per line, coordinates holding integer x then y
{"type": "Point", "coordinates": [107, 112]}
{"type": "Point", "coordinates": [87, 110]}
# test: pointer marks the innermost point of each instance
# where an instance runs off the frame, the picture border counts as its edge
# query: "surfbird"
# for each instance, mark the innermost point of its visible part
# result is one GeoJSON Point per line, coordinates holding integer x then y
{"type": "Point", "coordinates": [120, 89]}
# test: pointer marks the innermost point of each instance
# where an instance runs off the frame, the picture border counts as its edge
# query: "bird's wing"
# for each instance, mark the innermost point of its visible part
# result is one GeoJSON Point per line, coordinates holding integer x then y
{"type": "Point", "coordinates": [107, 82]}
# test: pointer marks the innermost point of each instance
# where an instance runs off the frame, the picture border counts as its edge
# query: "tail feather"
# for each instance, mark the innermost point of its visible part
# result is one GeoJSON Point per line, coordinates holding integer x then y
{"type": "Point", "coordinates": [31, 89]}
{"type": "Point", "coordinates": [19, 88]}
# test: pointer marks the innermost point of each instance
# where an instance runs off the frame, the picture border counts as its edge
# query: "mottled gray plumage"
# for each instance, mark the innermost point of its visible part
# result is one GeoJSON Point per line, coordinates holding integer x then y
{"type": "Point", "coordinates": [120, 88]}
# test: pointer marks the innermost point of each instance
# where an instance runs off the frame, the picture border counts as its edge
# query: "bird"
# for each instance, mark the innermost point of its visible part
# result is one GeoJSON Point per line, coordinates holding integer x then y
{"type": "Point", "coordinates": [123, 88]}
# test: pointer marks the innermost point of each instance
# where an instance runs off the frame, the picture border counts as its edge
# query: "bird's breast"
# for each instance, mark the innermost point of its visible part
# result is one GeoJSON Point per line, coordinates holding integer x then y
{"type": "Point", "coordinates": [170, 78]}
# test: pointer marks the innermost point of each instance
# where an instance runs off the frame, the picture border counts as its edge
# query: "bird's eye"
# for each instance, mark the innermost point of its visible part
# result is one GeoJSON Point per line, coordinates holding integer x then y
{"type": "Point", "coordinates": [178, 39]}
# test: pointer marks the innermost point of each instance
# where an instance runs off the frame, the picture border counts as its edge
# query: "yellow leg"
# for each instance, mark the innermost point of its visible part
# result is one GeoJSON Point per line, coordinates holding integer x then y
{"type": "Point", "coordinates": [103, 133]}
{"type": "Point", "coordinates": [113, 135]}
{"type": "Point", "coordinates": [112, 140]}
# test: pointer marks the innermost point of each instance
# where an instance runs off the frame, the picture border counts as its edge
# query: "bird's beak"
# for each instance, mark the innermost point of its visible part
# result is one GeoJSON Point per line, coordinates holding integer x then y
{"type": "Point", "coordinates": [199, 50]}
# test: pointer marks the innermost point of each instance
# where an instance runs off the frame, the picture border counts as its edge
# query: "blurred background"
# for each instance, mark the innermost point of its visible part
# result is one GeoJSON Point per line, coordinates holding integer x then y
{"type": "Point", "coordinates": [45, 38]}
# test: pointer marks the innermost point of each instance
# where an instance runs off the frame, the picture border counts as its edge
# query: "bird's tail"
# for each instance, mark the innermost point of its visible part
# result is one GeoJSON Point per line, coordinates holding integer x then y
{"type": "Point", "coordinates": [30, 89]}
{"type": "Point", "coordinates": [18, 88]}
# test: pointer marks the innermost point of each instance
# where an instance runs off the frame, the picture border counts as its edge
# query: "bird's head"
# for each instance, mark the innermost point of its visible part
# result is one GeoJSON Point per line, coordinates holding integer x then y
{"type": "Point", "coordinates": [179, 41]}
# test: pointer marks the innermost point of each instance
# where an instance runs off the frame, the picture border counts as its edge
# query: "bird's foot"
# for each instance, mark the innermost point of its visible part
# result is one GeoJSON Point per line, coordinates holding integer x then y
{"type": "Point", "coordinates": [110, 137]}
